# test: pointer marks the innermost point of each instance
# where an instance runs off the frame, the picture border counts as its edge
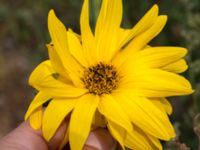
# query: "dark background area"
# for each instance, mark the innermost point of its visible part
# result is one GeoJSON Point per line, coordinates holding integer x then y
{"type": "Point", "coordinates": [23, 35]}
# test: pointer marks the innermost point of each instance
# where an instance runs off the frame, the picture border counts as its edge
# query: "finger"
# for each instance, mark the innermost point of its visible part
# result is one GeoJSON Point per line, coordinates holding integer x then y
{"type": "Point", "coordinates": [100, 139]}
{"type": "Point", "coordinates": [23, 138]}
{"type": "Point", "coordinates": [54, 143]}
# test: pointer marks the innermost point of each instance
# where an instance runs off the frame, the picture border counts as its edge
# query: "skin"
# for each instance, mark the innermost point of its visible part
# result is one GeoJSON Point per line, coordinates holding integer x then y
{"type": "Point", "coordinates": [25, 138]}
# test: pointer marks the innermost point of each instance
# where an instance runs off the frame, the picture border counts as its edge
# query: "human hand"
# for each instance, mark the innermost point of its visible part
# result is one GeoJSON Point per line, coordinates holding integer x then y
{"type": "Point", "coordinates": [25, 138]}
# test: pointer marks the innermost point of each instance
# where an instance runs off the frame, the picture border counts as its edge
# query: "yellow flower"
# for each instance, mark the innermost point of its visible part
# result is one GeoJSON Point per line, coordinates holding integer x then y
{"type": "Point", "coordinates": [110, 78]}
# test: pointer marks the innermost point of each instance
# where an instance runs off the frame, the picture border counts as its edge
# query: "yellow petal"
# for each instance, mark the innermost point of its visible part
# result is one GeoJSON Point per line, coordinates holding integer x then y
{"type": "Point", "coordinates": [107, 28]}
{"type": "Point", "coordinates": [117, 132]}
{"type": "Point", "coordinates": [146, 115]}
{"type": "Point", "coordinates": [87, 35]}
{"type": "Point", "coordinates": [38, 101]}
{"type": "Point", "coordinates": [137, 140]}
{"type": "Point", "coordinates": [156, 83]}
{"type": "Point", "coordinates": [56, 63]}
{"type": "Point", "coordinates": [112, 111]}
{"type": "Point", "coordinates": [155, 141]}
{"type": "Point", "coordinates": [156, 57]}
{"type": "Point", "coordinates": [141, 41]}
{"type": "Point", "coordinates": [54, 114]}
{"type": "Point", "coordinates": [42, 79]}
{"type": "Point", "coordinates": [43, 69]}
{"type": "Point", "coordinates": [101, 18]}
{"type": "Point", "coordinates": [58, 34]}
{"type": "Point", "coordinates": [76, 49]}
{"type": "Point", "coordinates": [99, 120]}
{"type": "Point", "coordinates": [163, 104]}
{"type": "Point", "coordinates": [147, 21]}
{"type": "Point", "coordinates": [81, 120]}
{"type": "Point", "coordinates": [77, 35]}
{"type": "Point", "coordinates": [176, 67]}
{"type": "Point", "coordinates": [36, 119]}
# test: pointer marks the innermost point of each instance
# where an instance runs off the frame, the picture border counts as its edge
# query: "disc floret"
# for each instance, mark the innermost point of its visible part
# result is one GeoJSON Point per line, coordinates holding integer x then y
{"type": "Point", "coordinates": [101, 79]}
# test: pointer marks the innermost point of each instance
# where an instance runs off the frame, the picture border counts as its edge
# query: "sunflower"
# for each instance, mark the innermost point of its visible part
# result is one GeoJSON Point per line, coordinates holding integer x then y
{"type": "Point", "coordinates": [108, 78]}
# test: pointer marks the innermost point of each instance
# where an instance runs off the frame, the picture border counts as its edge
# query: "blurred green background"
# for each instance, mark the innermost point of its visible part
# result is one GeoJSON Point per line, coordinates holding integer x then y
{"type": "Point", "coordinates": [23, 35]}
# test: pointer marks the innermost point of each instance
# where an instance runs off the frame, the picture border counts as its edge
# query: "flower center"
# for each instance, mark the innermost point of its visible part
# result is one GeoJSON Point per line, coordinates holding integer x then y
{"type": "Point", "coordinates": [100, 79]}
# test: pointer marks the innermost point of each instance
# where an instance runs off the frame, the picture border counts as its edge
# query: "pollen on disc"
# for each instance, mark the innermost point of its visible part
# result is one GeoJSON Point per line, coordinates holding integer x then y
{"type": "Point", "coordinates": [101, 79]}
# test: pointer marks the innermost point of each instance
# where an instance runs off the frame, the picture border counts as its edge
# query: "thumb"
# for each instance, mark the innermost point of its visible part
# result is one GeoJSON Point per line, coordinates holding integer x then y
{"type": "Point", "coordinates": [26, 138]}
{"type": "Point", "coordinates": [23, 138]}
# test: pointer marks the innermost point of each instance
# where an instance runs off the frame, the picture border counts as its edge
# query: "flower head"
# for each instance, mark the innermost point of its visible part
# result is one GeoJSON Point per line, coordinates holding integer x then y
{"type": "Point", "coordinates": [110, 78]}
